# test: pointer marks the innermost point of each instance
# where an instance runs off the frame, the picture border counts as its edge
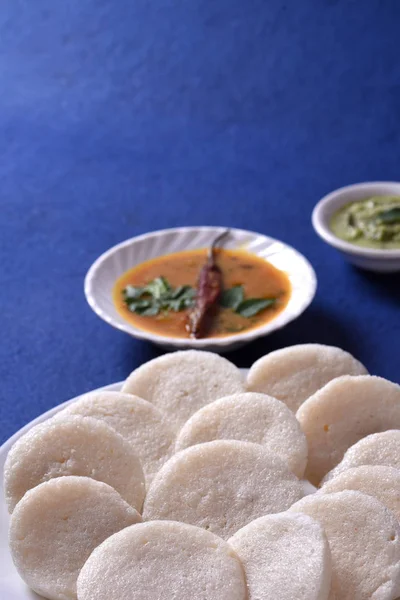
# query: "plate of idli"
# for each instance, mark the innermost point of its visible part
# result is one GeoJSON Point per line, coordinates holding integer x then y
{"type": "Point", "coordinates": [196, 479]}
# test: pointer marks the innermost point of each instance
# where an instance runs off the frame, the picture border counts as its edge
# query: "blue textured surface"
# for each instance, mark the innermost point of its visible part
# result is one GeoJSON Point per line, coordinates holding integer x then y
{"type": "Point", "coordinates": [119, 117]}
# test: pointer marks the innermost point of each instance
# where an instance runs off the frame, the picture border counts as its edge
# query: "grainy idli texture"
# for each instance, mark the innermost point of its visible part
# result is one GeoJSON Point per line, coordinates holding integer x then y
{"type": "Point", "coordinates": [55, 527]}
{"type": "Point", "coordinates": [375, 449]}
{"type": "Point", "coordinates": [341, 413]}
{"type": "Point", "coordinates": [182, 382]}
{"type": "Point", "coordinates": [249, 417]}
{"type": "Point", "coordinates": [364, 539]}
{"type": "Point", "coordinates": [381, 482]}
{"type": "Point", "coordinates": [138, 421]}
{"type": "Point", "coordinates": [293, 374]}
{"type": "Point", "coordinates": [285, 557]}
{"type": "Point", "coordinates": [221, 486]}
{"type": "Point", "coordinates": [73, 446]}
{"type": "Point", "coordinates": [162, 561]}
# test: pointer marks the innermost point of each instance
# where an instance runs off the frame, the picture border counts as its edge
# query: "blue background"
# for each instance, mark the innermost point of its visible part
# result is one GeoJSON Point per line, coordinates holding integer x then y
{"type": "Point", "coordinates": [120, 117]}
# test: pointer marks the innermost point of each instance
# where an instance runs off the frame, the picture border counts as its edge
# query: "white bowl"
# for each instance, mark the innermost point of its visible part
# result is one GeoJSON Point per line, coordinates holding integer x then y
{"type": "Point", "coordinates": [104, 272]}
{"type": "Point", "coordinates": [384, 261]}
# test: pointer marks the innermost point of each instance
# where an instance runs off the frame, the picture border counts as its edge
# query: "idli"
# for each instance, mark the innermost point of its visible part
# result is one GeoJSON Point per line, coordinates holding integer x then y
{"type": "Point", "coordinates": [138, 421]}
{"type": "Point", "coordinates": [375, 449]}
{"type": "Point", "coordinates": [249, 417]}
{"type": "Point", "coordinates": [221, 486]}
{"type": "Point", "coordinates": [182, 382]}
{"type": "Point", "coordinates": [341, 413]}
{"type": "Point", "coordinates": [73, 446]}
{"type": "Point", "coordinates": [293, 374]}
{"type": "Point", "coordinates": [285, 556]}
{"type": "Point", "coordinates": [162, 560]}
{"type": "Point", "coordinates": [55, 527]}
{"type": "Point", "coordinates": [381, 482]}
{"type": "Point", "coordinates": [364, 539]}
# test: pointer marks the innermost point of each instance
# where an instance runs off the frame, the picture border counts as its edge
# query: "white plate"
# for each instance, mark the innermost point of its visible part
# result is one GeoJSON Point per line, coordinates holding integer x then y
{"type": "Point", "coordinates": [11, 585]}
{"type": "Point", "coordinates": [105, 271]}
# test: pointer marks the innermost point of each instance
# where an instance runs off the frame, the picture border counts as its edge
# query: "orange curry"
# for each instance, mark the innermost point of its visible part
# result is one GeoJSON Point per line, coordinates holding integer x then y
{"type": "Point", "coordinates": [258, 277]}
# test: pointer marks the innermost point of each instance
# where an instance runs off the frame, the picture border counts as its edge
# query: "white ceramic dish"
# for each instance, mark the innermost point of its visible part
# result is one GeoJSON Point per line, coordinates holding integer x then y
{"type": "Point", "coordinates": [11, 585]}
{"type": "Point", "coordinates": [103, 274]}
{"type": "Point", "coordinates": [385, 261]}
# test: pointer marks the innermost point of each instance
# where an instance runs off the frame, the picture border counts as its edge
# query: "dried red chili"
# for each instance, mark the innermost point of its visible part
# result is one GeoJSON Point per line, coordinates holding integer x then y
{"type": "Point", "coordinates": [209, 288]}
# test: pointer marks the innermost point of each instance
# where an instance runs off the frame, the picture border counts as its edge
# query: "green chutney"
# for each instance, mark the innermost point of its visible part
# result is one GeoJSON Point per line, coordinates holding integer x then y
{"type": "Point", "coordinates": [370, 223]}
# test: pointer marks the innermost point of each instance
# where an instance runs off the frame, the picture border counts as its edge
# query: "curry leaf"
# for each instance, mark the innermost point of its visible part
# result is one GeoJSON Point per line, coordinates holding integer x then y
{"type": "Point", "coordinates": [391, 216]}
{"type": "Point", "coordinates": [184, 292]}
{"type": "Point", "coordinates": [180, 291]}
{"type": "Point", "coordinates": [158, 287]}
{"type": "Point", "coordinates": [176, 305]}
{"type": "Point", "coordinates": [131, 293]}
{"type": "Point", "coordinates": [158, 295]}
{"type": "Point", "coordinates": [189, 295]}
{"type": "Point", "coordinates": [188, 301]}
{"type": "Point", "coordinates": [233, 297]}
{"type": "Point", "coordinates": [252, 306]}
{"type": "Point", "coordinates": [139, 306]}
{"type": "Point", "coordinates": [152, 310]}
